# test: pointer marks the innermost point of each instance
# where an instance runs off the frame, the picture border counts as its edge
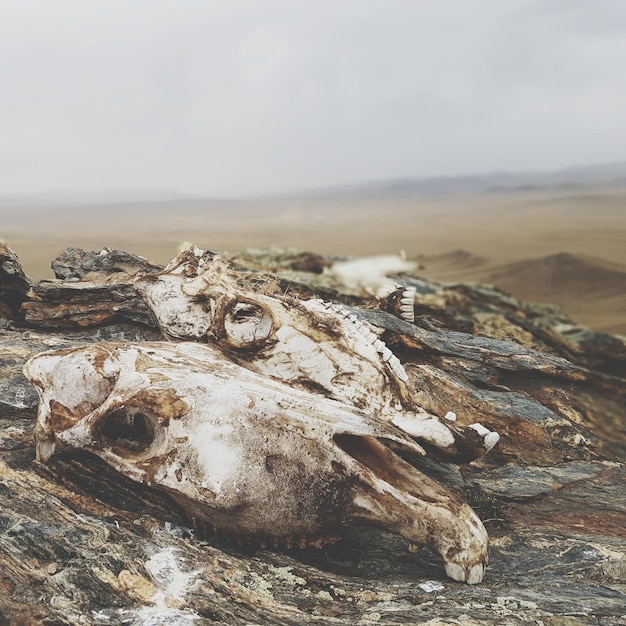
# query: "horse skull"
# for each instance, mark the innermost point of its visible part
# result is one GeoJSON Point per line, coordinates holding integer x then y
{"type": "Point", "coordinates": [245, 453]}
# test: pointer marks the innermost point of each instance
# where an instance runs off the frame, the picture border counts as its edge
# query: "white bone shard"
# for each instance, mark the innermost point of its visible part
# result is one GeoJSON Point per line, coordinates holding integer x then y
{"type": "Point", "coordinates": [243, 452]}
{"type": "Point", "coordinates": [370, 273]}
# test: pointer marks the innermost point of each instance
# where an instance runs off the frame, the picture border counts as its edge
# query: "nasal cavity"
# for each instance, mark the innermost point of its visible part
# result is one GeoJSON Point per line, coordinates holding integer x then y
{"type": "Point", "coordinates": [366, 450]}
{"type": "Point", "coordinates": [376, 455]}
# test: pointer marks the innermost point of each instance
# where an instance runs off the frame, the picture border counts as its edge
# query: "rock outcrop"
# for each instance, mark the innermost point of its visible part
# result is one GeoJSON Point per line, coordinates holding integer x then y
{"type": "Point", "coordinates": [82, 544]}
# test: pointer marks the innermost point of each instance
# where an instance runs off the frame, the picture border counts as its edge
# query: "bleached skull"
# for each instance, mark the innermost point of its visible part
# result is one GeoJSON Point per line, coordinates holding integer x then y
{"type": "Point", "coordinates": [245, 453]}
{"type": "Point", "coordinates": [311, 344]}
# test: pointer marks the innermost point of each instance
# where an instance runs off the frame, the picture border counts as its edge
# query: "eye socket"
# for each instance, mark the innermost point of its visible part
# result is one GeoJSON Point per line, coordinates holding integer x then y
{"type": "Point", "coordinates": [131, 432]}
{"type": "Point", "coordinates": [246, 324]}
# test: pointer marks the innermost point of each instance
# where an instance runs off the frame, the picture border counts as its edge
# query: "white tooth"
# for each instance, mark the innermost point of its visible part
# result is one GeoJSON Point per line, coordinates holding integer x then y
{"type": "Point", "coordinates": [450, 416]}
{"type": "Point", "coordinates": [491, 440]}
{"type": "Point", "coordinates": [475, 574]}
{"type": "Point", "coordinates": [394, 361]}
{"type": "Point", "coordinates": [379, 345]}
{"type": "Point", "coordinates": [407, 301]}
{"type": "Point", "coordinates": [352, 317]}
{"type": "Point", "coordinates": [409, 292]}
{"type": "Point", "coordinates": [455, 571]}
{"type": "Point", "coordinates": [401, 373]}
{"type": "Point", "coordinates": [45, 450]}
{"type": "Point", "coordinates": [480, 429]}
{"type": "Point", "coordinates": [407, 312]}
{"type": "Point", "coordinates": [387, 354]}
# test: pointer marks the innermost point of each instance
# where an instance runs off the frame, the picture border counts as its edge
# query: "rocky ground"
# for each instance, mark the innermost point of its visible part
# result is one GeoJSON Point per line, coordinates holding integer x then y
{"type": "Point", "coordinates": [80, 544]}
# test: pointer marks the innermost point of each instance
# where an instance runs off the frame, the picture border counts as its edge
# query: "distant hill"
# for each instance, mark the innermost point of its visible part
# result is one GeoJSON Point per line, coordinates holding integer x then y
{"type": "Point", "coordinates": [97, 198]}
{"type": "Point", "coordinates": [561, 275]}
{"type": "Point", "coordinates": [455, 260]}
{"type": "Point", "coordinates": [590, 290]}
{"type": "Point", "coordinates": [577, 177]}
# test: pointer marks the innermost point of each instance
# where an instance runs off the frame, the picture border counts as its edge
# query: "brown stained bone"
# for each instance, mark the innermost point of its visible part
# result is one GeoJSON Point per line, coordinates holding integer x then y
{"type": "Point", "coordinates": [245, 453]}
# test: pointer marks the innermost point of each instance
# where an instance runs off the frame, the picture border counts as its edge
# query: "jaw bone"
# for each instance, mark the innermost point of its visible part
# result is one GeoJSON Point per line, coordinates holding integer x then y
{"type": "Point", "coordinates": [398, 300]}
{"type": "Point", "coordinates": [244, 453]}
{"type": "Point", "coordinates": [310, 344]}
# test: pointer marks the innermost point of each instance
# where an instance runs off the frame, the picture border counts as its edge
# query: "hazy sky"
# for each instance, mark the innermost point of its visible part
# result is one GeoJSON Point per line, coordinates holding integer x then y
{"type": "Point", "coordinates": [236, 97]}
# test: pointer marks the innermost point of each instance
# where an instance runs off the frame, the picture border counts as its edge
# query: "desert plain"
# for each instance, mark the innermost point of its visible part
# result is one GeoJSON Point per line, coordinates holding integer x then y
{"type": "Point", "coordinates": [564, 246]}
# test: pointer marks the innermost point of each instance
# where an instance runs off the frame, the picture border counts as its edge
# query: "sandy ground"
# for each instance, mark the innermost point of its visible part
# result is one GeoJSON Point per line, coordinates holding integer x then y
{"type": "Point", "coordinates": [504, 238]}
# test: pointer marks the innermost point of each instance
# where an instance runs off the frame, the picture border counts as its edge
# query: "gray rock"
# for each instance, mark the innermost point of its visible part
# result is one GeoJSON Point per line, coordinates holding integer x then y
{"type": "Point", "coordinates": [14, 284]}
{"type": "Point", "coordinates": [91, 289]}
{"type": "Point", "coordinates": [75, 263]}
{"type": "Point", "coordinates": [80, 544]}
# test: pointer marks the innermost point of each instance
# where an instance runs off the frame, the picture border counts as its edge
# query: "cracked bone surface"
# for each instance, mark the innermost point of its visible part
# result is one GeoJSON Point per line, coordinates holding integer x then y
{"type": "Point", "coordinates": [311, 344]}
{"type": "Point", "coordinates": [246, 453]}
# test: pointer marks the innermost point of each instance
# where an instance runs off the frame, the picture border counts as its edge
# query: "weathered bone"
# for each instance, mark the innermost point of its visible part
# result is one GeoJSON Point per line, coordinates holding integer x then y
{"type": "Point", "coordinates": [245, 453]}
{"type": "Point", "coordinates": [397, 299]}
{"type": "Point", "coordinates": [311, 344]}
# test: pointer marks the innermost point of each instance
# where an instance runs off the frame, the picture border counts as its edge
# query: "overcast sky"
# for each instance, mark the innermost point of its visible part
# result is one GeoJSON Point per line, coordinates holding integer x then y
{"type": "Point", "coordinates": [236, 97]}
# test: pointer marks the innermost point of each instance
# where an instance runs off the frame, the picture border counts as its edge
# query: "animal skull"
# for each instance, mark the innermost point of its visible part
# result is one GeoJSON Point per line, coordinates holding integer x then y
{"type": "Point", "coordinates": [310, 344]}
{"type": "Point", "coordinates": [245, 453]}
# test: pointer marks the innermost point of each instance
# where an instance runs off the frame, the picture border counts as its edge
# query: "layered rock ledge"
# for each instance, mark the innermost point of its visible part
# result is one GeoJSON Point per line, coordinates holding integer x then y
{"type": "Point", "coordinates": [80, 544]}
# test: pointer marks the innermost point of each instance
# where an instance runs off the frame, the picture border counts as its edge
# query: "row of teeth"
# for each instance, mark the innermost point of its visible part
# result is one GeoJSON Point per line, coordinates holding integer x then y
{"type": "Point", "coordinates": [407, 301]}
{"type": "Point", "coordinates": [387, 355]}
